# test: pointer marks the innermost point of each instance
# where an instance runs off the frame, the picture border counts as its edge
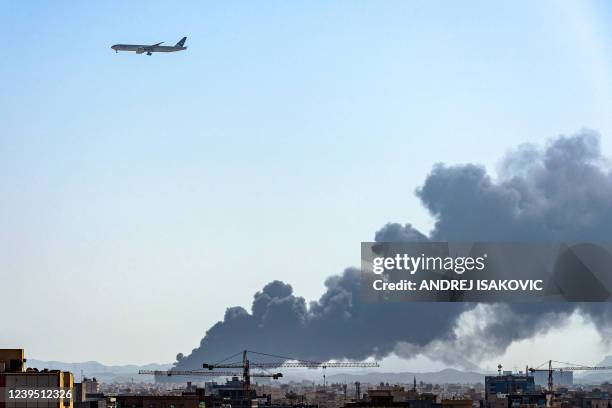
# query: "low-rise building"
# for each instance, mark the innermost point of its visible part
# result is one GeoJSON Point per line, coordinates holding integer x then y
{"type": "Point", "coordinates": [32, 388]}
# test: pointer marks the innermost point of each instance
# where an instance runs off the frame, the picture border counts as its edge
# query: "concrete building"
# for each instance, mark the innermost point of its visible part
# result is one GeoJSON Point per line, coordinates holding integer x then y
{"type": "Point", "coordinates": [157, 401]}
{"type": "Point", "coordinates": [379, 398]}
{"type": "Point", "coordinates": [526, 400]}
{"type": "Point", "coordinates": [87, 395]}
{"type": "Point", "coordinates": [12, 360]}
{"type": "Point", "coordinates": [508, 383]}
{"type": "Point", "coordinates": [15, 380]}
{"type": "Point", "coordinates": [232, 393]}
{"type": "Point", "coordinates": [457, 403]}
{"type": "Point", "coordinates": [601, 403]}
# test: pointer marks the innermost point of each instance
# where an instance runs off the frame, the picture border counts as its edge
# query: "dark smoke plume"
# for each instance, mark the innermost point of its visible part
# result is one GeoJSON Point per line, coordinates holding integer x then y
{"type": "Point", "coordinates": [336, 326]}
{"type": "Point", "coordinates": [560, 193]}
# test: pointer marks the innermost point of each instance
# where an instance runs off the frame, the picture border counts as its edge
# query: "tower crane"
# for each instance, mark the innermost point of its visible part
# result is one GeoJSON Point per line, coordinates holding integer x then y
{"type": "Point", "coordinates": [571, 367]}
{"type": "Point", "coordinates": [285, 362]}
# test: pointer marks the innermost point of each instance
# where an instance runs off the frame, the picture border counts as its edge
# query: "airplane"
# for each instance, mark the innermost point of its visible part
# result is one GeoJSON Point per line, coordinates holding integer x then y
{"type": "Point", "coordinates": [150, 49]}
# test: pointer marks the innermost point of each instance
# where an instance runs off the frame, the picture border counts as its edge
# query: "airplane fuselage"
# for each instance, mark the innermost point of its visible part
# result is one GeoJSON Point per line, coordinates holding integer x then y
{"type": "Point", "coordinates": [140, 49]}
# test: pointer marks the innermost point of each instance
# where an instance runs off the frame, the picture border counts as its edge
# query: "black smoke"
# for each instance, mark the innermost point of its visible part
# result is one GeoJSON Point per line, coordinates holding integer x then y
{"type": "Point", "coordinates": [562, 192]}
{"type": "Point", "coordinates": [336, 326]}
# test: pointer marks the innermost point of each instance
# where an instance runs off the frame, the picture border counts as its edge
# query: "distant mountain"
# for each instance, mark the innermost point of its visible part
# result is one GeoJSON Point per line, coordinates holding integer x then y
{"type": "Point", "coordinates": [596, 377]}
{"type": "Point", "coordinates": [449, 376]}
{"type": "Point", "coordinates": [128, 373]}
{"type": "Point", "coordinates": [104, 373]}
{"type": "Point", "coordinates": [606, 362]}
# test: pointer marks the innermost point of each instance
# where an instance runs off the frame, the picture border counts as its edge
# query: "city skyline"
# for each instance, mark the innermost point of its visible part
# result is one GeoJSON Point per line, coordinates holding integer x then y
{"type": "Point", "coordinates": [138, 190]}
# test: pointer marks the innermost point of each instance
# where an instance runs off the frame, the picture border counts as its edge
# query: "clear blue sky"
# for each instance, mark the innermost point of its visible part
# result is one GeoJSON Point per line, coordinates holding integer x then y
{"type": "Point", "coordinates": [140, 196]}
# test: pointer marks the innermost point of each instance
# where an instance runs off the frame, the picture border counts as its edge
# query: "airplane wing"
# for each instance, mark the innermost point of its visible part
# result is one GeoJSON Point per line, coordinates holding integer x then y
{"type": "Point", "coordinates": [157, 44]}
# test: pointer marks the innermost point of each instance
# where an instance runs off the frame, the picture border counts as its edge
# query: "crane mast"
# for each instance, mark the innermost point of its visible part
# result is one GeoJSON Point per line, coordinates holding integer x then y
{"type": "Point", "coordinates": [552, 369]}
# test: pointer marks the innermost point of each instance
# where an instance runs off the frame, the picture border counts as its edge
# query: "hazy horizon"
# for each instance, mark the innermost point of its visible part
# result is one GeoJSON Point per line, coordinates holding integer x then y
{"type": "Point", "coordinates": [142, 196]}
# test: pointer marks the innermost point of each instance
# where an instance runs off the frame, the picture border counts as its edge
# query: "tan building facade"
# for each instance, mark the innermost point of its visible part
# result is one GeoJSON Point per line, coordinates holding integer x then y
{"type": "Point", "coordinates": [32, 388]}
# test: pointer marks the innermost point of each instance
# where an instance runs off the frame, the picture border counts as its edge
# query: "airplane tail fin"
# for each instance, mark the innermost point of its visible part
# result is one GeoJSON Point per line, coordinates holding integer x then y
{"type": "Point", "coordinates": [181, 43]}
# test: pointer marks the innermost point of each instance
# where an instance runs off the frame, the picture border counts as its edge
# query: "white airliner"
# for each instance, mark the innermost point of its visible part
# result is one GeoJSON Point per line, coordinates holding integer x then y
{"type": "Point", "coordinates": [150, 49]}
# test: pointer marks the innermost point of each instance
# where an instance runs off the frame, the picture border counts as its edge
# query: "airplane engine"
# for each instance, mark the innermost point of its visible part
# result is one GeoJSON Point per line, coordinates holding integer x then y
{"type": "Point", "coordinates": [140, 50]}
